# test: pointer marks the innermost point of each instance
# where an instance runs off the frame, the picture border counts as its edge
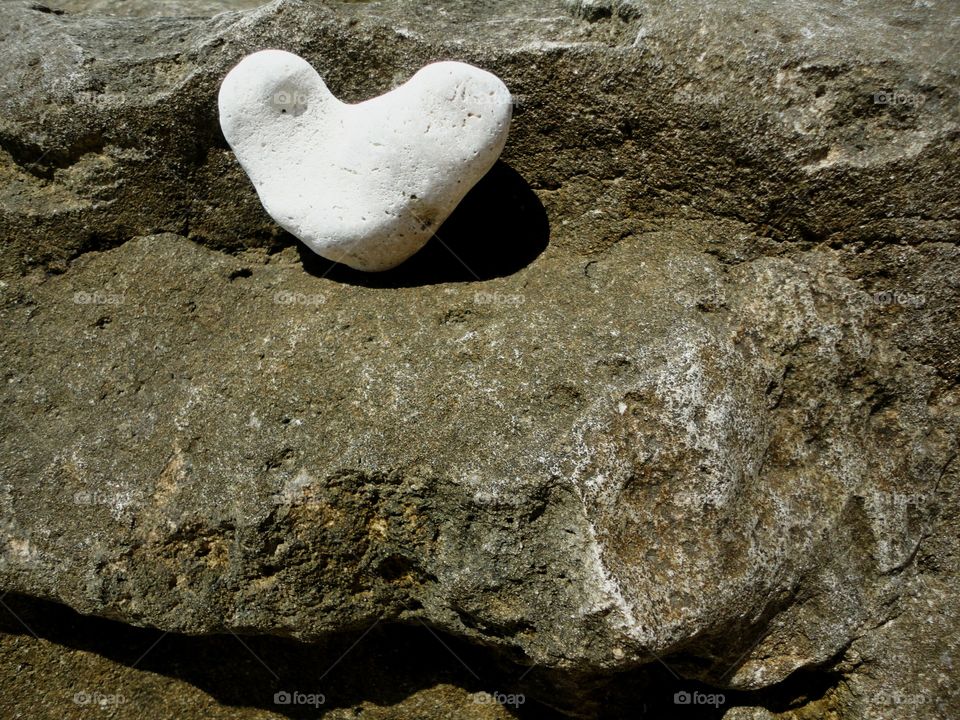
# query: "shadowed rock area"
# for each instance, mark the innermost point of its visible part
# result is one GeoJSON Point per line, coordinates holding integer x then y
{"type": "Point", "coordinates": [668, 405]}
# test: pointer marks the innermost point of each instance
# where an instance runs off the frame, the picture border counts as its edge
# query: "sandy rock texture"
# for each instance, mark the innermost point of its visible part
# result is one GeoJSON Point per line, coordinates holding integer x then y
{"type": "Point", "coordinates": [669, 404]}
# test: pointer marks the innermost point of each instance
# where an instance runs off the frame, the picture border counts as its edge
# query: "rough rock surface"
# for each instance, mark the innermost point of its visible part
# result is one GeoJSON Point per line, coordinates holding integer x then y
{"type": "Point", "coordinates": [674, 390]}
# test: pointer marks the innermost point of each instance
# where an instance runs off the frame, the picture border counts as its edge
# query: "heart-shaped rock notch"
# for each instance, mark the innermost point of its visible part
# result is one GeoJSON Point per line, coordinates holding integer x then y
{"type": "Point", "coordinates": [367, 184]}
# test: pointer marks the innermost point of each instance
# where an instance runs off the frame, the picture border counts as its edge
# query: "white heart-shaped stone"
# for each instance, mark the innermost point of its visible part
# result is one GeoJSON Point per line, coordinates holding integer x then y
{"type": "Point", "coordinates": [367, 184]}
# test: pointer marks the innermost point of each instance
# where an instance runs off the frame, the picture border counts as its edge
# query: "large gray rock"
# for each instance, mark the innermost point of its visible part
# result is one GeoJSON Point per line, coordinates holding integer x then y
{"type": "Point", "coordinates": [713, 422]}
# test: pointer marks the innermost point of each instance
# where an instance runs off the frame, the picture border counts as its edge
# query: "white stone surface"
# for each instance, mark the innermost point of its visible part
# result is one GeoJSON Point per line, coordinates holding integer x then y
{"type": "Point", "coordinates": [366, 184]}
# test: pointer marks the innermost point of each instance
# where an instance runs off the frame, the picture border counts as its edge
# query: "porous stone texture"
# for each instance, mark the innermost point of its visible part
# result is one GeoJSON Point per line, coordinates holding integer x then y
{"type": "Point", "coordinates": [669, 404]}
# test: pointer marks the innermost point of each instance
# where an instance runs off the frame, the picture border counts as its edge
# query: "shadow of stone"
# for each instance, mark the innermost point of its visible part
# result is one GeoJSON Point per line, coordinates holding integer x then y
{"type": "Point", "coordinates": [388, 663]}
{"type": "Point", "coordinates": [383, 665]}
{"type": "Point", "coordinates": [497, 229]}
